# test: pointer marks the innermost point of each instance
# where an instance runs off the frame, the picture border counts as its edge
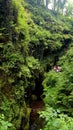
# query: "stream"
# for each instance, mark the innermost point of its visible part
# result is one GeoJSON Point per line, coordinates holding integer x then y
{"type": "Point", "coordinates": [35, 106]}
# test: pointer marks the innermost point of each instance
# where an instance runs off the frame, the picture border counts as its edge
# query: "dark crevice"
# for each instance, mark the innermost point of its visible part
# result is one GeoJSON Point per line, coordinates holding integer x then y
{"type": "Point", "coordinates": [35, 103]}
{"type": "Point", "coordinates": [38, 91]}
{"type": "Point", "coordinates": [35, 121]}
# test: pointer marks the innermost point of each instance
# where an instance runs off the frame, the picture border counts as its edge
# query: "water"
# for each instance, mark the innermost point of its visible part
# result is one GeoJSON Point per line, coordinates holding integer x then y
{"type": "Point", "coordinates": [33, 126]}
{"type": "Point", "coordinates": [36, 106]}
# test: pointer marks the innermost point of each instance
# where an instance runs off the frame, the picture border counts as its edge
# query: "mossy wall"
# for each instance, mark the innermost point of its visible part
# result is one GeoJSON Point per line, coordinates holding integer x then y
{"type": "Point", "coordinates": [32, 40]}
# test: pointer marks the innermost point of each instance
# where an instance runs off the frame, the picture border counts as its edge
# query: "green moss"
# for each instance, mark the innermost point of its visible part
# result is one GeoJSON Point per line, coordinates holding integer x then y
{"type": "Point", "coordinates": [33, 39]}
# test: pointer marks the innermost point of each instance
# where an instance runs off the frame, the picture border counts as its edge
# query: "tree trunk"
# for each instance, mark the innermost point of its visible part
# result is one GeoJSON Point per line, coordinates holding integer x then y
{"type": "Point", "coordinates": [54, 5]}
{"type": "Point", "coordinates": [10, 17]}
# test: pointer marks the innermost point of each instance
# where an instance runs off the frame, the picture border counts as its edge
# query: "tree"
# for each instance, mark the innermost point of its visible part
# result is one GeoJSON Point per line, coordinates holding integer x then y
{"type": "Point", "coordinates": [60, 5]}
{"type": "Point", "coordinates": [54, 4]}
{"type": "Point", "coordinates": [69, 10]}
{"type": "Point", "coordinates": [9, 17]}
{"type": "Point", "coordinates": [47, 2]}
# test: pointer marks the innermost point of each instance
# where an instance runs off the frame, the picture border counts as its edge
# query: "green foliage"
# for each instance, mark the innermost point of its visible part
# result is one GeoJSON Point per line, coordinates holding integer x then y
{"type": "Point", "coordinates": [50, 91]}
{"type": "Point", "coordinates": [32, 39]}
{"type": "Point", "coordinates": [13, 111]}
{"type": "Point", "coordinates": [32, 63]}
{"type": "Point", "coordinates": [21, 17]}
{"type": "Point", "coordinates": [58, 86]}
{"type": "Point", "coordinates": [11, 56]}
{"type": "Point", "coordinates": [5, 125]}
{"type": "Point", "coordinates": [56, 121]}
{"type": "Point", "coordinates": [35, 69]}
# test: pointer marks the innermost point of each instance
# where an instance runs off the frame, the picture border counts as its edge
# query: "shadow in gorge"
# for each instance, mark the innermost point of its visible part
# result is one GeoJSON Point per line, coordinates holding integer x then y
{"type": "Point", "coordinates": [38, 91]}
{"type": "Point", "coordinates": [35, 121]}
{"type": "Point", "coordinates": [36, 105]}
{"type": "Point", "coordinates": [34, 93]}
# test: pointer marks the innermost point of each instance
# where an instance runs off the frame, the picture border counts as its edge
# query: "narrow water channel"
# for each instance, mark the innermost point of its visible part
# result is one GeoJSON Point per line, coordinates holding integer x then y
{"type": "Point", "coordinates": [35, 103]}
{"type": "Point", "coordinates": [36, 106]}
